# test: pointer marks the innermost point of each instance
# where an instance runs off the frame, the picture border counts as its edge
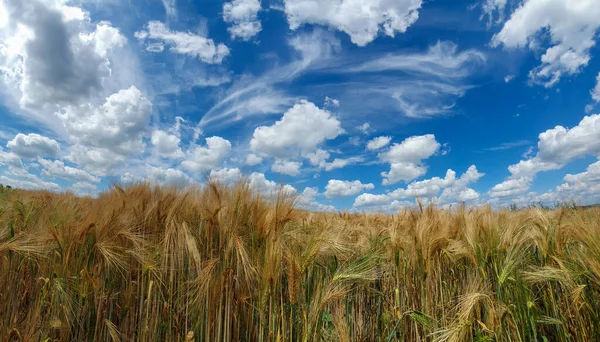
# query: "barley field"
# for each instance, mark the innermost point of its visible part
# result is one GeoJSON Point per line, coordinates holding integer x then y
{"type": "Point", "coordinates": [221, 263]}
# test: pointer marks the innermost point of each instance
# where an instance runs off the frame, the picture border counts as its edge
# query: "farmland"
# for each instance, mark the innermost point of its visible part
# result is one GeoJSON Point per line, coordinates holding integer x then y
{"type": "Point", "coordinates": [221, 263]}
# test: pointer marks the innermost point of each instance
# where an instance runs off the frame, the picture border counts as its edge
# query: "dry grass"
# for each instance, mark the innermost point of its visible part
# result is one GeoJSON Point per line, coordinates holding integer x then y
{"type": "Point", "coordinates": [222, 264]}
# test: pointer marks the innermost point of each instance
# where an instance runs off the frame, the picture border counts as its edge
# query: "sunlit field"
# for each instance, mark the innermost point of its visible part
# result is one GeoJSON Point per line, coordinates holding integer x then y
{"type": "Point", "coordinates": [220, 263]}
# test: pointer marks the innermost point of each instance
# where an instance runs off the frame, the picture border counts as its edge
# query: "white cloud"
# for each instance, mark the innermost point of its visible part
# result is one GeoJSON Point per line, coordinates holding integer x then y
{"type": "Point", "coordinates": [420, 85]}
{"type": "Point", "coordinates": [596, 91]}
{"type": "Point", "coordinates": [167, 145]}
{"type": "Point", "coordinates": [403, 172]}
{"type": "Point", "coordinates": [530, 167]}
{"type": "Point", "coordinates": [226, 175]}
{"type": "Point", "coordinates": [290, 168]}
{"type": "Point", "coordinates": [441, 60]}
{"type": "Point", "coordinates": [317, 157]}
{"type": "Point", "coordinates": [268, 188]}
{"type": "Point", "coordinates": [104, 135]}
{"type": "Point", "coordinates": [306, 200]}
{"type": "Point", "coordinates": [592, 174]}
{"type": "Point", "coordinates": [556, 147]}
{"type": "Point", "coordinates": [582, 187]}
{"type": "Point", "coordinates": [84, 189]}
{"type": "Point", "coordinates": [361, 20]}
{"type": "Point", "coordinates": [301, 129]}
{"type": "Point", "coordinates": [366, 200]}
{"type": "Point", "coordinates": [511, 187]}
{"type": "Point", "coordinates": [509, 78]}
{"type": "Point", "coordinates": [10, 159]}
{"type": "Point", "coordinates": [202, 159]}
{"type": "Point", "coordinates": [461, 195]}
{"type": "Point", "coordinates": [561, 145]}
{"type": "Point", "coordinates": [242, 15]}
{"type": "Point", "coordinates": [186, 43]}
{"type": "Point", "coordinates": [338, 188]}
{"type": "Point", "coordinates": [454, 190]}
{"type": "Point", "coordinates": [252, 159]}
{"type": "Point", "coordinates": [265, 94]}
{"type": "Point", "coordinates": [339, 163]}
{"type": "Point", "coordinates": [379, 142]}
{"type": "Point", "coordinates": [491, 8]}
{"type": "Point", "coordinates": [426, 188]}
{"type": "Point", "coordinates": [57, 168]}
{"type": "Point", "coordinates": [51, 54]}
{"type": "Point", "coordinates": [365, 128]}
{"type": "Point", "coordinates": [331, 102]}
{"type": "Point", "coordinates": [406, 158]}
{"type": "Point", "coordinates": [165, 176]}
{"type": "Point", "coordinates": [170, 8]}
{"type": "Point", "coordinates": [413, 150]}
{"type": "Point", "coordinates": [31, 184]}
{"type": "Point", "coordinates": [33, 145]}
{"type": "Point", "coordinates": [509, 145]}
{"type": "Point", "coordinates": [571, 27]}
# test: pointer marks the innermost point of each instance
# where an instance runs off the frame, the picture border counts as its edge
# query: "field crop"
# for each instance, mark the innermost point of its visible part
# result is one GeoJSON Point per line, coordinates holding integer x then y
{"type": "Point", "coordinates": [221, 263]}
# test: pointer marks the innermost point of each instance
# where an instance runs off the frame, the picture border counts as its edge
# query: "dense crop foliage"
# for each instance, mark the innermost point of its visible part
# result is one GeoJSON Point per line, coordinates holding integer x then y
{"type": "Point", "coordinates": [221, 263]}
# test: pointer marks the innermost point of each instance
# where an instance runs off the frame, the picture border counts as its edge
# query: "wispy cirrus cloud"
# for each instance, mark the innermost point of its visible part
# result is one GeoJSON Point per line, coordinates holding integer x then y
{"type": "Point", "coordinates": [509, 145]}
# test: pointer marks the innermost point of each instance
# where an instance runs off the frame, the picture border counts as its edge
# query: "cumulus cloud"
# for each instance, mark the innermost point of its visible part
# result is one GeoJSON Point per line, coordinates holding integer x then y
{"type": "Point", "coordinates": [242, 16]}
{"type": "Point", "coordinates": [33, 145]}
{"type": "Point", "coordinates": [367, 200]}
{"type": "Point", "coordinates": [363, 21]}
{"type": "Point", "coordinates": [290, 168]}
{"type": "Point", "coordinates": [301, 129]}
{"type": "Point", "coordinates": [57, 168]}
{"type": "Point", "coordinates": [167, 145]}
{"type": "Point", "coordinates": [339, 163]}
{"type": "Point", "coordinates": [511, 187]}
{"type": "Point", "coordinates": [201, 159]}
{"type": "Point", "coordinates": [185, 43]}
{"type": "Point", "coordinates": [559, 146]}
{"type": "Point", "coordinates": [339, 188]}
{"type": "Point", "coordinates": [158, 175]}
{"type": "Point", "coordinates": [84, 189]}
{"type": "Point", "coordinates": [556, 147]}
{"type": "Point", "coordinates": [226, 175]}
{"type": "Point", "coordinates": [379, 142]}
{"type": "Point", "coordinates": [318, 157]}
{"type": "Point", "coordinates": [269, 188]}
{"type": "Point", "coordinates": [571, 27]}
{"type": "Point", "coordinates": [104, 135]}
{"type": "Point", "coordinates": [583, 187]}
{"type": "Point", "coordinates": [365, 128]}
{"type": "Point", "coordinates": [406, 158]}
{"type": "Point", "coordinates": [306, 200]}
{"type": "Point", "coordinates": [51, 54]}
{"type": "Point", "coordinates": [454, 190]}
{"type": "Point", "coordinates": [34, 183]}
{"type": "Point", "coordinates": [10, 159]}
{"type": "Point", "coordinates": [252, 159]}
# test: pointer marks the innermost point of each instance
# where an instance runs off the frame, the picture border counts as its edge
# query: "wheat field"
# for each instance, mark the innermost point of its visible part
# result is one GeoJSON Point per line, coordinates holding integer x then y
{"type": "Point", "coordinates": [221, 263]}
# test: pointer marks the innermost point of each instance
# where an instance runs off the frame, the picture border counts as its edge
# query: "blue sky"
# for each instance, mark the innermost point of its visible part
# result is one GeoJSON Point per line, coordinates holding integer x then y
{"type": "Point", "coordinates": [358, 105]}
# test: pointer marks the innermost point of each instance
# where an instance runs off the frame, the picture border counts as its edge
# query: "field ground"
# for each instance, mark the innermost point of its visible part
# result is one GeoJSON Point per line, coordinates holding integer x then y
{"type": "Point", "coordinates": [222, 264]}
